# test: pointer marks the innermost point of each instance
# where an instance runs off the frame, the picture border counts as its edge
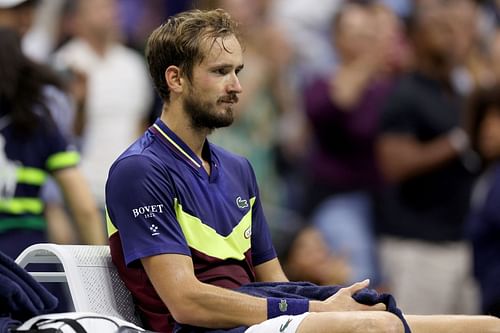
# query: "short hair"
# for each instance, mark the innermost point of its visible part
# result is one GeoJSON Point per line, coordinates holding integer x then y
{"type": "Point", "coordinates": [178, 42]}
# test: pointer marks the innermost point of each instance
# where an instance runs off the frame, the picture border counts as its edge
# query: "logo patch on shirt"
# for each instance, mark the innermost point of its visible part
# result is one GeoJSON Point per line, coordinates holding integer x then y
{"type": "Point", "coordinates": [241, 203]}
{"type": "Point", "coordinates": [283, 305]}
{"type": "Point", "coordinates": [147, 211]}
{"type": "Point", "coordinates": [154, 230]}
{"type": "Point", "coordinates": [248, 233]}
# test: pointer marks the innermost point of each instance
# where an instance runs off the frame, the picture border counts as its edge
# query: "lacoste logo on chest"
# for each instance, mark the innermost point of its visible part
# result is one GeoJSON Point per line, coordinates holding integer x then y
{"type": "Point", "coordinates": [241, 203]}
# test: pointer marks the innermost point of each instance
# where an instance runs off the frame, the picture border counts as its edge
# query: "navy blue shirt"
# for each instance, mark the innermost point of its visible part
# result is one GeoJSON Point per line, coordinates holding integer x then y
{"type": "Point", "coordinates": [25, 160]}
{"type": "Point", "coordinates": [160, 199]}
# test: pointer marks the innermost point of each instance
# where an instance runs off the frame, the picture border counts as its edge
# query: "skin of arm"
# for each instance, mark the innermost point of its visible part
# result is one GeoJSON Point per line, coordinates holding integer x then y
{"type": "Point", "coordinates": [270, 271]}
{"type": "Point", "coordinates": [195, 303]}
{"type": "Point", "coordinates": [82, 205]}
{"type": "Point", "coordinates": [402, 157]}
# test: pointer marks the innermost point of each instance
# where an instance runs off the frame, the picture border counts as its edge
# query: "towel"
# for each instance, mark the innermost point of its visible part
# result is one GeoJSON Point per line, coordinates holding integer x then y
{"type": "Point", "coordinates": [21, 296]}
{"type": "Point", "coordinates": [7, 323]}
{"type": "Point", "coordinates": [302, 290]}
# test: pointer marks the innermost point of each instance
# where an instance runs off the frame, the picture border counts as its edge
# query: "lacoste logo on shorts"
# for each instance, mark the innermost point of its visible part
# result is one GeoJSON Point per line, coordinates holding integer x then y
{"type": "Point", "coordinates": [285, 325]}
{"type": "Point", "coordinates": [241, 203]}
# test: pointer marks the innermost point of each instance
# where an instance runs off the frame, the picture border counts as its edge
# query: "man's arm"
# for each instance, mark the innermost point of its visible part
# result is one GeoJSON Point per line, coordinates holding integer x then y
{"type": "Point", "coordinates": [195, 303]}
{"type": "Point", "coordinates": [270, 271]}
{"type": "Point", "coordinates": [82, 205]}
{"type": "Point", "coordinates": [402, 156]}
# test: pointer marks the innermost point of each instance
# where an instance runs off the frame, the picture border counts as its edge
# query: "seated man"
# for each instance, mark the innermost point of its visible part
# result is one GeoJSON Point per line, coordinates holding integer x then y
{"type": "Point", "coordinates": [185, 221]}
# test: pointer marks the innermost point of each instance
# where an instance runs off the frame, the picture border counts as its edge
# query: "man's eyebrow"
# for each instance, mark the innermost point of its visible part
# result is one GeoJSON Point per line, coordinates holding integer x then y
{"type": "Point", "coordinates": [226, 65]}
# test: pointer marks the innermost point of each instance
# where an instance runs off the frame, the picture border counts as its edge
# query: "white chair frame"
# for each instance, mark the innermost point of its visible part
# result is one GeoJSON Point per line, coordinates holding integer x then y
{"type": "Point", "coordinates": [92, 278]}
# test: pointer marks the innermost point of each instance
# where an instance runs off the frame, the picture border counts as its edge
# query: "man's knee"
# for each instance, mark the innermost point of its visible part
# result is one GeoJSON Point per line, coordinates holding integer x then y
{"type": "Point", "coordinates": [352, 322]}
{"type": "Point", "coordinates": [385, 322]}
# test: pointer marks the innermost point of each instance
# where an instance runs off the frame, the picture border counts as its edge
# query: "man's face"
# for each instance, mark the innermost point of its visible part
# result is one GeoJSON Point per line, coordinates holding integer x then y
{"type": "Point", "coordinates": [99, 17]}
{"type": "Point", "coordinates": [435, 36]}
{"type": "Point", "coordinates": [489, 134]}
{"type": "Point", "coordinates": [18, 18]}
{"type": "Point", "coordinates": [215, 86]}
{"type": "Point", "coordinates": [356, 33]}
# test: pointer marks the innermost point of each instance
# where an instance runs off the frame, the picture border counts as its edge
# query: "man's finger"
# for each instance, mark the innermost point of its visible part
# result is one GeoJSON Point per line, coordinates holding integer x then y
{"type": "Point", "coordinates": [364, 307]}
{"type": "Point", "coordinates": [377, 307]}
{"type": "Point", "coordinates": [358, 286]}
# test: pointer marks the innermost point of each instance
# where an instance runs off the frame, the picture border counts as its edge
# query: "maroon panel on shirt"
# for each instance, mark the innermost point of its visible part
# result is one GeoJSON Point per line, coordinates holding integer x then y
{"type": "Point", "coordinates": [154, 314]}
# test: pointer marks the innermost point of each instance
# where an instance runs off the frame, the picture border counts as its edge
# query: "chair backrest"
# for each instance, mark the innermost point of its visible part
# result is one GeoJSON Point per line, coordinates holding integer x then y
{"type": "Point", "coordinates": [92, 278]}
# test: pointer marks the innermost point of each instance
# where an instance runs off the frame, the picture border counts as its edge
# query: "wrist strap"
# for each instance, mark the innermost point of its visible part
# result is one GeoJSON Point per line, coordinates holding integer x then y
{"type": "Point", "coordinates": [286, 306]}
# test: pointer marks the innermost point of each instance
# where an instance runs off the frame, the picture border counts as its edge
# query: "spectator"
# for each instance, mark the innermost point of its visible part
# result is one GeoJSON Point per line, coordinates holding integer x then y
{"type": "Point", "coordinates": [424, 154]}
{"type": "Point", "coordinates": [308, 25]}
{"type": "Point", "coordinates": [32, 147]}
{"type": "Point", "coordinates": [22, 17]}
{"type": "Point", "coordinates": [483, 226]}
{"type": "Point", "coordinates": [343, 109]}
{"type": "Point", "coordinates": [118, 92]}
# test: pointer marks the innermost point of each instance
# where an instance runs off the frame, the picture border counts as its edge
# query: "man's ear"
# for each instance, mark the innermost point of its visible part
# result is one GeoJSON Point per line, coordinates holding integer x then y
{"type": "Point", "coordinates": [174, 79]}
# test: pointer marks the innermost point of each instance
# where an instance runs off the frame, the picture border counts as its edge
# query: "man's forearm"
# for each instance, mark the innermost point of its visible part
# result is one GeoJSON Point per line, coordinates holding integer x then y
{"type": "Point", "coordinates": [214, 307]}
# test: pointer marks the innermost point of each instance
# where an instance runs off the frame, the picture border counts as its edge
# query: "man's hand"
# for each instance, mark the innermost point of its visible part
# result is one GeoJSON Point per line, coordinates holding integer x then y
{"type": "Point", "coordinates": [343, 301]}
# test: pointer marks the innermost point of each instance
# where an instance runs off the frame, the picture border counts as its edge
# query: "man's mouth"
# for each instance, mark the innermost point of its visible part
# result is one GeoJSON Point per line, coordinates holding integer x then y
{"type": "Point", "coordinates": [232, 100]}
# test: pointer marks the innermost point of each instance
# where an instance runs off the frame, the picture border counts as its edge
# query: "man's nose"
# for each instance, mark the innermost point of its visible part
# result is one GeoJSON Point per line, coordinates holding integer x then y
{"type": "Point", "coordinates": [234, 85]}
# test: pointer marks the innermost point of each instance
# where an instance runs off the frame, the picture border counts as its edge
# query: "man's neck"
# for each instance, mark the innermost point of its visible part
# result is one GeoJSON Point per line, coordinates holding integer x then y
{"type": "Point", "coordinates": [437, 70]}
{"type": "Point", "coordinates": [98, 44]}
{"type": "Point", "coordinates": [179, 123]}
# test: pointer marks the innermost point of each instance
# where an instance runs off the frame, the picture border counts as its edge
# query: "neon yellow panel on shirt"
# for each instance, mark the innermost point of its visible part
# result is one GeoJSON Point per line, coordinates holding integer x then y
{"type": "Point", "coordinates": [205, 239]}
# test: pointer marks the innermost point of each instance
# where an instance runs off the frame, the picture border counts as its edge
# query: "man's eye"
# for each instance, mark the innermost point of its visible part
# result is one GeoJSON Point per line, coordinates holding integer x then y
{"type": "Point", "coordinates": [221, 71]}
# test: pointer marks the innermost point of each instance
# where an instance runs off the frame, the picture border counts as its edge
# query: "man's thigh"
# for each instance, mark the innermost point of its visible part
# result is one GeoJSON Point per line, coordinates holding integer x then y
{"type": "Point", "coordinates": [453, 324]}
{"type": "Point", "coordinates": [281, 324]}
{"type": "Point", "coordinates": [332, 322]}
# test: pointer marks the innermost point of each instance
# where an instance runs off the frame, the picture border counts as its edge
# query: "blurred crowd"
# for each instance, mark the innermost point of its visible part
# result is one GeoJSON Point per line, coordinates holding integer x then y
{"type": "Point", "coordinates": [373, 128]}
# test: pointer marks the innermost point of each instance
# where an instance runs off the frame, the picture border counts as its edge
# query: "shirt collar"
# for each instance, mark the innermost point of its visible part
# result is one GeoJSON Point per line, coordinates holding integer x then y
{"type": "Point", "coordinates": [161, 130]}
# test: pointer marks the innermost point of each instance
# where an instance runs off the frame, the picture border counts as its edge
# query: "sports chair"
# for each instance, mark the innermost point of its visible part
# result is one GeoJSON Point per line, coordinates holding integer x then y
{"type": "Point", "coordinates": [91, 277]}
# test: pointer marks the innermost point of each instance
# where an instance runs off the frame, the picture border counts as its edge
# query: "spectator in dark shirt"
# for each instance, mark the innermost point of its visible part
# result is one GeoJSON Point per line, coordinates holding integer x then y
{"type": "Point", "coordinates": [483, 225]}
{"type": "Point", "coordinates": [343, 109]}
{"type": "Point", "coordinates": [424, 154]}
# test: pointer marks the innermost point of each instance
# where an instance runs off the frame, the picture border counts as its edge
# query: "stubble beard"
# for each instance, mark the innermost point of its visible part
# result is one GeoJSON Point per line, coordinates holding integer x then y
{"type": "Point", "coordinates": [204, 115]}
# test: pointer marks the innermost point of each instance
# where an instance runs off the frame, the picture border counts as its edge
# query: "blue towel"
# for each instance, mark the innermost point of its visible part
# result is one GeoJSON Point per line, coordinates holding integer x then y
{"type": "Point", "coordinates": [7, 323]}
{"type": "Point", "coordinates": [21, 296]}
{"type": "Point", "coordinates": [302, 290]}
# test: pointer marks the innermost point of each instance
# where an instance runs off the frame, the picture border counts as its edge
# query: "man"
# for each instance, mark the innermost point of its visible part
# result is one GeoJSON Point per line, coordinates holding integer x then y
{"type": "Point", "coordinates": [116, 93]}
{"type": "Point", "coordinates": [27, 158]}
{"type": "Point", "coordinates": [425, 156]}
{"type": "Point", "coordinates": [185, 219]}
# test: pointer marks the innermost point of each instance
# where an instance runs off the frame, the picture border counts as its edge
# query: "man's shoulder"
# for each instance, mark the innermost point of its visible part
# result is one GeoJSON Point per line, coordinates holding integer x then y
{"type": "Point", "coordinates": [142, 155]}
{"type": "Point", "coordinates": [75, 54]}
{"type": "Point", "coordinates": [226, 154]}
{"type": "Point", "coordinates": [414, 83]}
{"type": "Point", "coordinates": [229, 158]}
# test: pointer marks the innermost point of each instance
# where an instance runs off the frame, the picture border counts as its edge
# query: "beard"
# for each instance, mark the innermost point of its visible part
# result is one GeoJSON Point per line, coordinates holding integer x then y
{"type": "Point", "coordinates": [204, 115]}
